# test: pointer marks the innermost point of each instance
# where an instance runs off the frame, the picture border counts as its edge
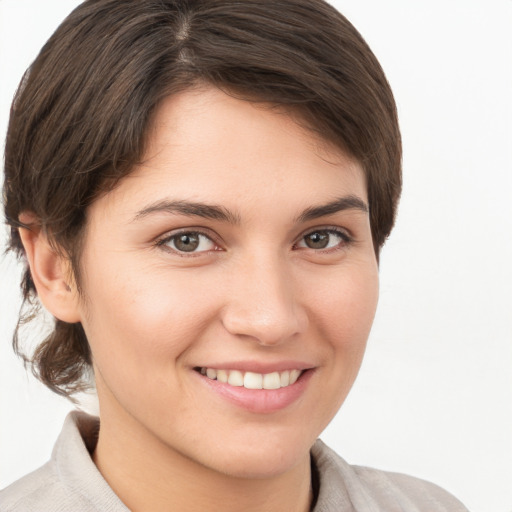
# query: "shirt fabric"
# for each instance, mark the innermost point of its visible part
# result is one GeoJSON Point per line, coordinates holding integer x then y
{"type": "Point", "coordinates": [70, 481]}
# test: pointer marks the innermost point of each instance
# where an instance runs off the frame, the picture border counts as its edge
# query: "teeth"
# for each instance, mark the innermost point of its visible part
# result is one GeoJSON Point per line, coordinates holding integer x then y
{"type": "Point", "coordinates": [236, 378]}
{"type": "Point", "coordinates": [271, 381]}
{"type": "Point", "coordinates": [294, 375]}
{"type": "Point", "coordinates": [222, 375]}
{"type": "Point", "coordinates": [251, 380]}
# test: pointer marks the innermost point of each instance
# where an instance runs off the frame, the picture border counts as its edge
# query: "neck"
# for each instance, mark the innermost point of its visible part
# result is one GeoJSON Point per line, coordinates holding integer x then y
{"type": "Point", "coordinates": [147, 474]}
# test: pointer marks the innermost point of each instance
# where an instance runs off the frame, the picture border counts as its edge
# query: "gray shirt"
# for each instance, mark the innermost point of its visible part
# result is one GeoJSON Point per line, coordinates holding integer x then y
{"type": "Point", "coordinates": [71, 482]}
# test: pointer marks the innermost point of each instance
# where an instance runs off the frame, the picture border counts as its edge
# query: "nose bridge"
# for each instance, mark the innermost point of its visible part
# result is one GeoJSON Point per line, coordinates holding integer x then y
{"type": "Point", "coordinates": [262, 303]}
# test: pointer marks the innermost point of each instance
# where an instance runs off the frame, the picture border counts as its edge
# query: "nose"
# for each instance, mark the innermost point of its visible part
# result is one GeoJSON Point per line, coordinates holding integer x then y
{"type": "Point", "coordinates": [262, 303]}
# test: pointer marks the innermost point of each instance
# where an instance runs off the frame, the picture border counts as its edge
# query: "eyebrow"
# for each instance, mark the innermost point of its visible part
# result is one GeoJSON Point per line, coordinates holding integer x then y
{"type": "Point", "coordinates": [349, 202]}
{"type": "Point", "coordinates": [190, 209]}
{"type": "Point", "coordinates": [215, 212]}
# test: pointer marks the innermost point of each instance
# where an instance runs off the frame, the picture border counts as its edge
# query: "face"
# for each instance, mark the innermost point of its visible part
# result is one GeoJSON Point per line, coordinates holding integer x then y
{"type": "Point", "coordinates": [230, 285]}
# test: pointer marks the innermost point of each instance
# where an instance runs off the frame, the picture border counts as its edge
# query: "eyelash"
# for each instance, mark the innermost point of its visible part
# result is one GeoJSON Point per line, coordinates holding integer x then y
{"type": "Point", "coordinates": [162, 243]}
{"type": "Point", "coordinates": [345, 239]}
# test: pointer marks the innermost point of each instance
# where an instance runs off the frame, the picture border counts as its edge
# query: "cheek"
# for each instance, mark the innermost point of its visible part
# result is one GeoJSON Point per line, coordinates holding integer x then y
{"type": "Point", "coordinates": [141, 317]}
{"type": "Point", "coordinates": [344, 314]}
{"type": "Point", "coordinates": [345, 306]}
{"type": "Point", "coordinates": [139, 328]}
{"type": "Point", "coordinates": [342, 308]}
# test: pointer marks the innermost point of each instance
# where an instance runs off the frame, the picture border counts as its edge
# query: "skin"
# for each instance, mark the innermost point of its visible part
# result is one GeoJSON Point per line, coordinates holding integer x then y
{"type": "Point", "coordinates": [253, 292]}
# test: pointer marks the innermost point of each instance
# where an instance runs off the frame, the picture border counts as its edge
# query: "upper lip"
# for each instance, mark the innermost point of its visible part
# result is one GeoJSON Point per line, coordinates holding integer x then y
{"type": "Point", "coordinates": [259, 367]}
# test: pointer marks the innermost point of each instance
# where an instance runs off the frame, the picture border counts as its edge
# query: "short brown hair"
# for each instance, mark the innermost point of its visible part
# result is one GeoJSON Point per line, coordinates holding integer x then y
{"type": "Point", "coordinates": [80, 116]}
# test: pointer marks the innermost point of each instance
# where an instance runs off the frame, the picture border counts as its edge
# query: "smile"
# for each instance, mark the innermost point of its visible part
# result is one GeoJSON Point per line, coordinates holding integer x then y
{"type": "Point", "coordinates": [251, 380]}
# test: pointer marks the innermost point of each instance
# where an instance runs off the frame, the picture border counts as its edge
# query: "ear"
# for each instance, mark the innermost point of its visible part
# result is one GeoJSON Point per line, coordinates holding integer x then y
{"type": "Point", "coordinates": [51, 271]}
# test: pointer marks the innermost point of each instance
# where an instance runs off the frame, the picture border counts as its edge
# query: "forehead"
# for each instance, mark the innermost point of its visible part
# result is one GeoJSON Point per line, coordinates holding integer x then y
{"type": "Point", "coordinates": [204, 144]}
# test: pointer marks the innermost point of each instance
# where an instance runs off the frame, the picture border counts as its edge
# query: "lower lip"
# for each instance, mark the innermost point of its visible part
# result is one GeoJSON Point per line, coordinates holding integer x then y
{"type": "Point", "coordinates": [261, 401]}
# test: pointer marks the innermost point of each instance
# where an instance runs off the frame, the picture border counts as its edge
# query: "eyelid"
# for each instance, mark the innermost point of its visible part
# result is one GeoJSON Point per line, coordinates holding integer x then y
{"type": "Point", "coordinates": [346, 233]}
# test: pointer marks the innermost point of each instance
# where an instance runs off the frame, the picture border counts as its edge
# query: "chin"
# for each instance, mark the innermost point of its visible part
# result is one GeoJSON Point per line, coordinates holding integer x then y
{"type": "Point", "coordinates": [257, 459]}
{"type": "Point", "coordinates": [263, 465]}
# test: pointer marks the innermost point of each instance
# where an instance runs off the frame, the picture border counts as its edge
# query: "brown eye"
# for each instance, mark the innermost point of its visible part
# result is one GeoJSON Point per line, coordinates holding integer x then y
{"type": "Point", "coordinates": [317, 240]}
{"type": "Point", "coordinates": [323, 239]}
{"type": "Point", "coordinates": [187, 242]}
{"type": "Point", "coordinates": [190, 241]}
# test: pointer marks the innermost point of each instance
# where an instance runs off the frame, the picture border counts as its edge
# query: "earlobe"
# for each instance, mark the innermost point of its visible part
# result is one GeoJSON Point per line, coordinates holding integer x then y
{"type": "Point", "coordinates": [50, 271]}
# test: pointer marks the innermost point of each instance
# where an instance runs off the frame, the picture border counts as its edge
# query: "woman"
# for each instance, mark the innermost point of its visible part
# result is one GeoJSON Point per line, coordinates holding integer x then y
{"type": "Point", "coordinates": [201, 191]}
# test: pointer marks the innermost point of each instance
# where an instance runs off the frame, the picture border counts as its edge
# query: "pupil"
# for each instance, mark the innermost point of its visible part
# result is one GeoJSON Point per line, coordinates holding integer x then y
{"type": "Point", "coordinates": [318, 240]}
{"type": "Point", "coordinates": [187, 242]}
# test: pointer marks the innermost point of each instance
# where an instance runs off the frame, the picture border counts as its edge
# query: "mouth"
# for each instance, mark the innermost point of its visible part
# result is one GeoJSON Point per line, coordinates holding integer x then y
{"type": "Point", "coordinates": [252, 380]}
{"type": "Point", "coordinates": [270, 391]}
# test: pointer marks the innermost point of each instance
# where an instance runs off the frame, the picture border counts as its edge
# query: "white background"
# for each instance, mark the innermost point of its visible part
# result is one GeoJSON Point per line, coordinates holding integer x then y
{"type": "Point", "coordinates": [434, 397]}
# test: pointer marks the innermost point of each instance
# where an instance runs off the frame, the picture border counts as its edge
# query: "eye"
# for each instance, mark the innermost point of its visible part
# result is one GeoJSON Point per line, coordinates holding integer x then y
{"type": "Point", "coordinates": [188, 242]}
{"type": "Point", "coordinates": [322, 239]}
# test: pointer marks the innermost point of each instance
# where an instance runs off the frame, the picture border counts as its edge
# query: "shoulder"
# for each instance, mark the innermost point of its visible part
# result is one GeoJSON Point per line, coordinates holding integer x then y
{"type": "Point", "coordinates": [418, 494]}
{"type": "Point", "coordinates": [40, 490]}
{"type": "Point", "coordinates": [373, 490]}
{"type": "Point", "coordinates": [69, 481]}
